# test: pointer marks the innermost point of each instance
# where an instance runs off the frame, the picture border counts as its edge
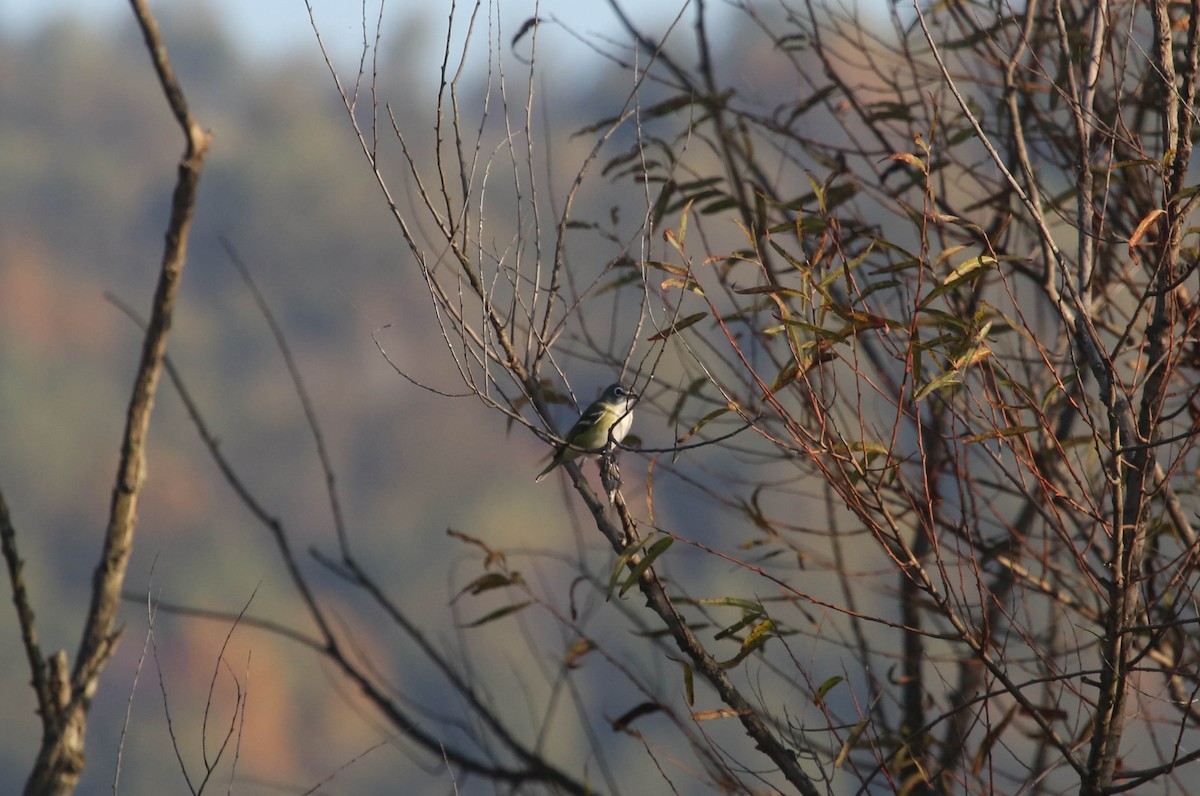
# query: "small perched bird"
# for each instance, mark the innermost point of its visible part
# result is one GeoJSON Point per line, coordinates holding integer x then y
{"type": "Point", "coordinates": [605, 422]}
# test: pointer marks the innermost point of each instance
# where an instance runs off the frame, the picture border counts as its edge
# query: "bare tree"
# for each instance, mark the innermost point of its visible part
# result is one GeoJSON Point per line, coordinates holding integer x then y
{"type": "Point", "coordinates": [959, 317]}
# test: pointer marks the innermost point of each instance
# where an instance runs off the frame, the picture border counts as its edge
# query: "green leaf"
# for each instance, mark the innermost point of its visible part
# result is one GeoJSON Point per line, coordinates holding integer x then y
{"type": "Point", "coordinates": [786, 376]}
{"type": "Point", "coordinates": [851, 741]}
{"type": "Point", "coordinates": [887, 110]}
{"type": "Point", "coordinates": [732, 602]}
{"type": "Point", "coordinates": [944, 380]}
{"type": "Point", "coordinates": [755, 641]}
{"type": "Point", "coordinates": [737, 627]}
{"type": "Point", "coordinates": [683, 221]}
{"type": "Point", "coordinates": [877, 286]}
{"type": "Point", "coordinates": [489, 581]}
{"type": "Point", "coordinates": [663, 201]}
{"type": "Point", "coordinates": [620, 282]}
{"type": "Point", "coordinates": [718, 206]}
{"type": "Point", "coordinates": [853, 263]}
{"type": "Point", "coordinates": [1187, 193]}
{"type": "Point", "coordinates": [839, 194]}
{"type": "Point", "coordinates": [859, 321]}
{"type": "Point", "coordinates": [619, 566]}
{"type": "Point", "coordinates": [969, 271]}
{"type": "Point", "coordinates": [679, 326]}
{"type": "Point", "coordinates": [799, 265]}
{"type": "Point", "coordinates": [802, 224]}
{"type": "Point", "coordinates": [691, 390]}
{"type": "Point", "coordinates": [670, 268]}
{"type": "Point", "coordinates": [704, 421]}
{"type": "Point", "coordinates": [656, 550]}
{"type": "Point", "coordinates": [499, 613]}
{"type": "Point", "coordinates": [826, 687]}
{"type": "Point", "coordinates": [1016, 431]}
{"type": "Point", "coordinates": [775, 290]}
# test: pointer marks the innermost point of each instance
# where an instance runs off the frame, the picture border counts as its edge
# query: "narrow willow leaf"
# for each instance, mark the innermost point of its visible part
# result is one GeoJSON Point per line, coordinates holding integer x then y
{"type": "Point", "coordinates": [697, 187]}
{"type": "Point", "coordinates": [670, 105]}
{"type": "Point", "coordinates": [757, 638]}
{"type": "Point", "coordinates": [837, 195]}
{"type": "Point", "coordinates": [689, 199]}
{"type": "Point", "coordinates": [786, 376]}
{"type": "Point", "coordinates": [799, 265]}
{"type": "Point", "coordinates": [739, 625]}
{"type": "Point", "coordinates": [910, 159]}
{"type": "Point", "coordinates": [691, 390]}
{"type": "Point", "coordinates": [818, 191]}
{"type": "Point", "coordinates": [821, 333]}
{"type": "Point", "coordinates": [851, 741]}
{"type": "Point", "coordinates": [663, 202]}
{"type": "Point", "coordinates": [1016, 431]}
{"type": "Point", "coordinates": [683, 222]}
{"type": "Point", "coordinates": [825, 688]}
{"type": "Point", "coordinates": [679, 326]}
{"type": "Point", "coordinates": [487, 582]}
{"type": "Point", "coordinates": [774, 290]}
{"type": "Point", "coordinates": [526, 26]}
{"type": "Point", "coordinates": [983, 260]}
{"type": "Point", "coordinates": [670, 268]}
{"type": "Point", "coordinates": [759, 635]}
{"type": "Point", "coordinates": [492, 557]}
{"type": "Point", "coordinates": [627, 718]}
{"type": "Point", "coordinates": [969, 271]}
{"type": "Point", "coordinates": [619, 566]}
{"type": "Point", "coordinates": [718, 206]}
{"type": "Point", "coordinates": [1144, 226]}
{"type": "Point", "coordinates": [1187, 193]}
{"type": "Point", "coordinates": [732, 602]}
{"type": "Point", "coordinates": [704, 421]}
{"type": "Point", "coordinates": [944, 380]}
{"type": "Point", "coordinates": [800, 226]}
{"type": "Point", "coordinates": [860, 321]}
{"type": "Point", "coordinates": [868, 447]}
{"type": "Point", "coordinates": [620, 282]}
{"type": "Point", "coordinates": [853, 263]}
{"type": "Point", "coordinates": [719, 713]}
{"type": "Point", "coordinates": [1124, 164]}
{"type": "Point", "coordinates": [656, 550]}
{"type": "Point", "coordinates": [878, 286]}
{"type": "Point", "coordinates": [576, 652]}
{"type": "Point", "coordinates": [983, 753]}
{"type": "Point", "coordinates": [499, 613]}
{"type": "Point", "coordinates": [686, 284]}
{"type": "Point", "coordinates": [947, 253]}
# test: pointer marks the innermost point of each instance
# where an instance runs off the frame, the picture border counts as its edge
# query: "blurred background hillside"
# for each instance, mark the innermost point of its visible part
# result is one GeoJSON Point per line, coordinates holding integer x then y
{"type": "Point", "coordinates": [87, 159]}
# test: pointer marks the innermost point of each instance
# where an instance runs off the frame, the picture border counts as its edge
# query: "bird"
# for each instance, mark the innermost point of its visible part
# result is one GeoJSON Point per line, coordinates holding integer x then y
{"type": "Point", "coordinates": [605, 422]}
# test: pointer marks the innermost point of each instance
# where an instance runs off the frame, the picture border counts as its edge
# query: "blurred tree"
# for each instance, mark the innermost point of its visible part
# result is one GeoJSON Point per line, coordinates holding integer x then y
{"type": "Point", "coordinates": [909, 305]}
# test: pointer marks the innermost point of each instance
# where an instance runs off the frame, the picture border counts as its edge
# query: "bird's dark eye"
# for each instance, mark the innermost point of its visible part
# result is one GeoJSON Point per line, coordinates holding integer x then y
{"type": "Point", "coordinates": [620, 391]}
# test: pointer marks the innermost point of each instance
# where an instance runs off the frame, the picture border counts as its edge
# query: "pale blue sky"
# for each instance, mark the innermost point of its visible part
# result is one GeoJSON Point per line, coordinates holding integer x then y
{"type": "Point", "coordinates": [270, 27]}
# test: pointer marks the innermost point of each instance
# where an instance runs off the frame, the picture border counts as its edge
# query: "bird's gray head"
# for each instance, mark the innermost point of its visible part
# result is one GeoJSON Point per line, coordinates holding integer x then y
{"type": "Point", "coordinates": [617, 394]}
